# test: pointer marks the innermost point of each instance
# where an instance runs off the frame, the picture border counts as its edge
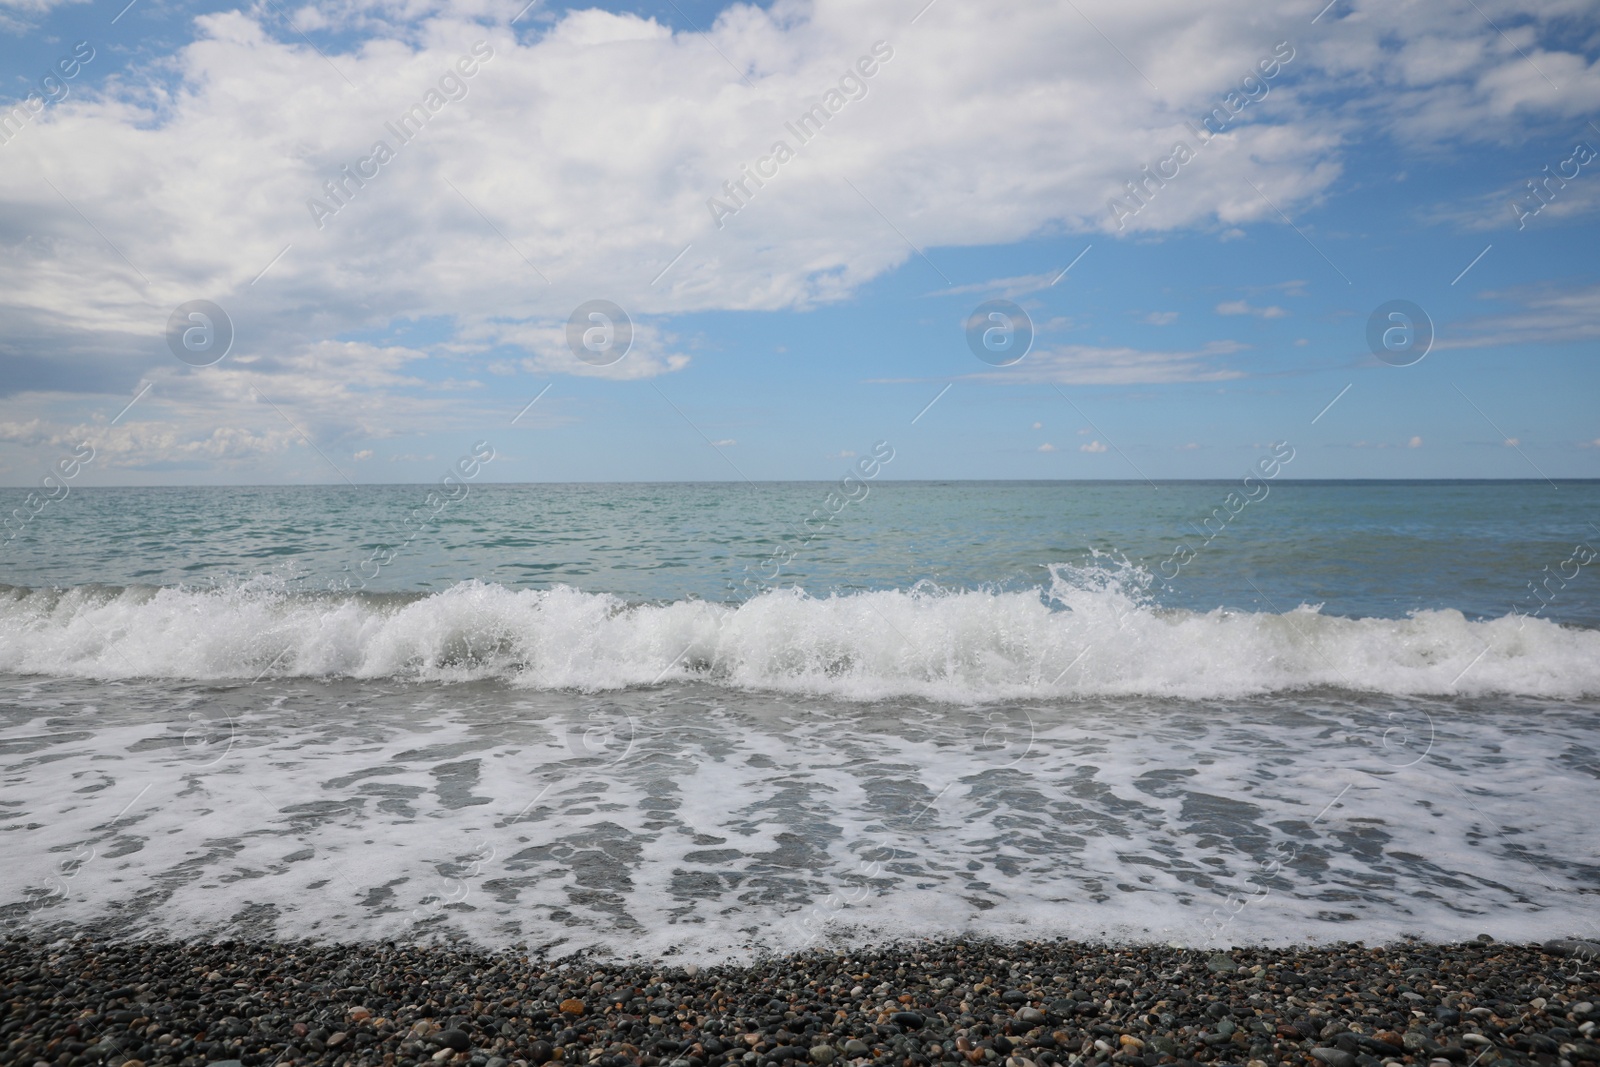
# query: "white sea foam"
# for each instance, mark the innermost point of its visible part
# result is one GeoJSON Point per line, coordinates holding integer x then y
{"type": "Point", "coordinates": [675, 822]}
{"type": "Point", "coordinates": [1091, 631]}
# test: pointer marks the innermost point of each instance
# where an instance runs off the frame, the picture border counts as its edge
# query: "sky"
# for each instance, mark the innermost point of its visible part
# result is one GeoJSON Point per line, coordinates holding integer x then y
{"type": "Point", "coordinates": [349, 241]}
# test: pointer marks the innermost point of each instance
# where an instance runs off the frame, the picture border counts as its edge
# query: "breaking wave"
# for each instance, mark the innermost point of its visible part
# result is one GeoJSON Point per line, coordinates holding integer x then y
{"type": "Point", "coordinates": [1090, 631]}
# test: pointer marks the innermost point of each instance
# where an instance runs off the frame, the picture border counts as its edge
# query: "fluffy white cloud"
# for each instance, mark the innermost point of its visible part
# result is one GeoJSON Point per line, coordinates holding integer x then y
{"type": "Point", "coordinates": [578, 158]}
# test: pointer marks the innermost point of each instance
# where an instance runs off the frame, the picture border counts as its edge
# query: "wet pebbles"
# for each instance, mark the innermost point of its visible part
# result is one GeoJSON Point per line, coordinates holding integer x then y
{"type": "Point", "coordinates": [987, 1004]}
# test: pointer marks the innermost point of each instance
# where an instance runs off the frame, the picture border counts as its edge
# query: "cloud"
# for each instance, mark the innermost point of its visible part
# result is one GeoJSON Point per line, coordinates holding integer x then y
{"type": "Point", "coordinates": [1414, 442]}
{"type": "Point", "coordinates": [1516, 206]}
{"type": "Point", "coordinates": [1240, 307]}
{"type": "Point", "coordinates": [15, 14]}
{"type": "Point", "coordinates": [1010, 288]}
{"type": "Point", "coordinates": [1047, 447]}
{"type": "Point", "coordinates": [1090, 365]}
{"type": "Point", "coordinates": [497, 203]}
{"type": "Point", "coordinates": [579, 159]}
{"type": "Point", "coordinates": [251, 406]}
{"type": "Point", "coordinates": [1092, 446]}
{"type": "Point", "coordinates": [726, 442]}
{"type": "Point", "coordinates": [649, 355]}
{"type": "Point", "coordinates": [845, 454]}
{"type": "Point", "coordinates": [1549, 315]}
{"type": "Point", "coordinates": [142, 444]}
{"type": "Point", "coordinates": [1161, 318]}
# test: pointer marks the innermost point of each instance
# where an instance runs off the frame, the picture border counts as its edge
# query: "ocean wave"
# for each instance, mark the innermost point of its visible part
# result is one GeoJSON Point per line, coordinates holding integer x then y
{"type": "Point", "coordinates": [1090, 631]}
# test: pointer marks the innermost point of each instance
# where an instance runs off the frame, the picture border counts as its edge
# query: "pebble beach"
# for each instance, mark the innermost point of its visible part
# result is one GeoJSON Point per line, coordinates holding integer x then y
{"type": "Point", "coordinates": [87, 1000]}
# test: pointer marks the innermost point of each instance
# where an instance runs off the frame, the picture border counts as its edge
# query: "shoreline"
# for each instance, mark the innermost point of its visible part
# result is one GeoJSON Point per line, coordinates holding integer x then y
{"type": "Point", "coordinates": [93, 1000]}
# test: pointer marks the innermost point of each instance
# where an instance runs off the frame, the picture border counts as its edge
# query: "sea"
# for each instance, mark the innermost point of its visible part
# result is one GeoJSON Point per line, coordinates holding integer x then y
{"type": "Point", "coordinates": [716, 720]}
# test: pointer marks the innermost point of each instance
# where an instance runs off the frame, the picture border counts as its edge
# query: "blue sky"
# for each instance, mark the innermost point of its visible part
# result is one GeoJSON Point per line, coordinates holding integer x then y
{"type": "Point", "coordinates": [585, 158]}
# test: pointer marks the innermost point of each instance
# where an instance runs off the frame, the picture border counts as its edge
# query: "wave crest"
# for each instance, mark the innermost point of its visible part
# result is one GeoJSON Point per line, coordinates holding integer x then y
{"type": "Point", "coordinates": [1092, 631]}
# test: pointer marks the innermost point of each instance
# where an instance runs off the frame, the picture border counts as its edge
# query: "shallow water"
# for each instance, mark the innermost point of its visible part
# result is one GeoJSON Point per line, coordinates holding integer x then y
{"type": "Point", "coordinates": [678, 819]}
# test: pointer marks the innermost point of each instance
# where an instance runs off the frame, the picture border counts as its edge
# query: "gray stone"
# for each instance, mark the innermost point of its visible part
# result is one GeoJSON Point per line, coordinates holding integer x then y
{"type": "Point", "coordinates": [822, 1054]}
{"type": "Point", "coordinates": [1031, 1016]}
{"type": "Point", "coordinates": [1586, 950]}
{"type": "Point", "coordinates": [1334, 1057]}
{"type": "Point", "coordinates": [1418, 1041]}
{"type": "Point", "coordinates": [1220, 964]}
{"type": "Point", "coordinates": [855, 1047]}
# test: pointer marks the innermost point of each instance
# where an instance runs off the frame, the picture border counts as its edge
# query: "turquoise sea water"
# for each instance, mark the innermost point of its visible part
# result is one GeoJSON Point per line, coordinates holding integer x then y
{"type": "Point", "coordinates": [1357, 548]}
{"type": "Point", "coordinates": [714, 718]}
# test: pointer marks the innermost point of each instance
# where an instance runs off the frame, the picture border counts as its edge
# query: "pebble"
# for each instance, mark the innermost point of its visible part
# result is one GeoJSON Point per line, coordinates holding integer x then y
{"type": "Point", "coordinates": [1582, 949]}
{"type": "Point", "coordinates": [918, 1004]}
{"type": "Point", "coordinates": [1416, 1041]}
